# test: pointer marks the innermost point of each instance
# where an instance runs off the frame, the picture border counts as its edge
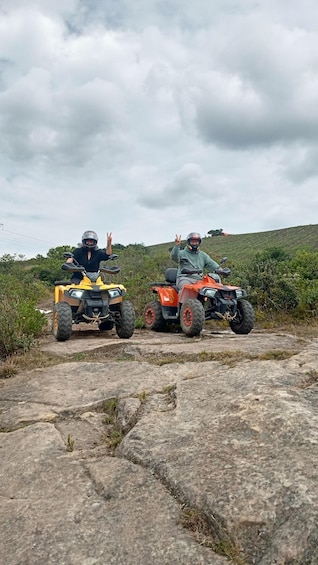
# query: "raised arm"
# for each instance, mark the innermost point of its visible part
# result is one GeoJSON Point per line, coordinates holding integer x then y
{"type": "Point", "coordinates": [109, 248]}
{"type": "Point", "coordinates": [174, 255]}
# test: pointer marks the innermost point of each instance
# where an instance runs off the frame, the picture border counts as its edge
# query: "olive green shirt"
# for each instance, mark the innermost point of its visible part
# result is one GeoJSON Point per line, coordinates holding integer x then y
{"type": "Point", "coordinates": [195, 260]}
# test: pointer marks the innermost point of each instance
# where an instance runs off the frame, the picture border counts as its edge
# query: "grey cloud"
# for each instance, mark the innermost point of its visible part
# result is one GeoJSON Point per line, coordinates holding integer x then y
{"type": "Point", "coordinates": [178, 108]}
{"type": "Point", "coordinates": [187, 184]}
{"type": "Point", "coordinates": [170, 14]}
{"type": "Point", "coordinates": [237, 114]}
{"type": "Point", "coordinates": [303, 165]}
{"type": "Point", "coordinates": [36, 120]}
{"type": "Point", "coordinates": [239, 128]}
{"type": "Point", "coordinates": [58, 7]}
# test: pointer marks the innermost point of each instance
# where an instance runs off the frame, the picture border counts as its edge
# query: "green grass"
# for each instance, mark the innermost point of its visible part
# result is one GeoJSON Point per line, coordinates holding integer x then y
{"type": "Point", "coordinates": [243, 247]}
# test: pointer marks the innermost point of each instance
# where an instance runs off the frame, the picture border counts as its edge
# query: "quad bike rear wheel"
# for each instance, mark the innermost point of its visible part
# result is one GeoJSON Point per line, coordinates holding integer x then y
{"type": "Point", "coordinates": [62, 321]}
{"type": "Point", "coordinates": [192, 317]}
{"type": "Point", "coordinates": [153, 318]}
{"type": "Point", "coordinates": [243, 322]}
{"type": "Point", "coordinates": [125, 325]}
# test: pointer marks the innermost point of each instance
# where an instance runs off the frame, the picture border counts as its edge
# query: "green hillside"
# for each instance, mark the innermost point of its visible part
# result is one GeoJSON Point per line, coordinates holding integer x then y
{"type": "Point", "coordinates": [243, 247]}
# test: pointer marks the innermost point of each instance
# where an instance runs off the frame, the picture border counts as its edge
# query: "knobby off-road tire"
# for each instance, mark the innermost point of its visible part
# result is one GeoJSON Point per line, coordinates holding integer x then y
{"type": "Point", "coordinates": [192, 317]}
{"type": "Point", "coordinates": [245, 318]}
{"type": "Point", "coordinates": [125, 326]}
{"type": "Point", "coordinates": [62, 321]}
{"type": "Point", "coordinates": [153, 318]}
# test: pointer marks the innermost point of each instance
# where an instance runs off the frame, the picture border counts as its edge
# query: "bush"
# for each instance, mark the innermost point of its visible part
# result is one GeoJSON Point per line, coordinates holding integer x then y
{"type": "Point", "coordinates": [275, 282]}
{"type": "Point", "coordinates": [21, 323]}
{"type": "Point", "coordinates": [49, 269]}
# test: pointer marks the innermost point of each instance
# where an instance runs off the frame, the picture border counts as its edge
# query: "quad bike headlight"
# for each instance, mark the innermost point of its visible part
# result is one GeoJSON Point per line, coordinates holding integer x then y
{"type": "Point", "coordinates": [240, 293]}
{"type": "Point", "coordinates": [76, 293]}
{"type": "Point", "coordinates": [114, 292]}
{"type": "Point", "coordinates": [209, 292]}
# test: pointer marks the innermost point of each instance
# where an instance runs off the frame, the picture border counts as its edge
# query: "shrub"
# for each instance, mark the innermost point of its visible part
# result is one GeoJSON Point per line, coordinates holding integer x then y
{"type": "Point", "coordinates": [20, 321]}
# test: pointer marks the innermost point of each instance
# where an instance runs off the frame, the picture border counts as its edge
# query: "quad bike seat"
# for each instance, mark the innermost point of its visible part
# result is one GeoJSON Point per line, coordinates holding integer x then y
{"type": "Point", "coordinates": [171, 275]}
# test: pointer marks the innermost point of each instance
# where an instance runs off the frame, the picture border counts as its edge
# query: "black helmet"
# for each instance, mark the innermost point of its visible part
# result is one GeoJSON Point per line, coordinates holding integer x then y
{"type": "Point", "coordinates": [194, 235]}
{"type": "Point", "coordinates": [89, 235]}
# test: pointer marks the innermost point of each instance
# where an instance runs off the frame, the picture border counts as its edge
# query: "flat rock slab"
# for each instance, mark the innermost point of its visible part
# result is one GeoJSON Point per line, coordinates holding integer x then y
{"type": "Point", "coordinates": [242, 446]}
{"type": "Point", "coordinates": [56, 508]}
{"type": "Point", "coordinates": [232, 447]}
{"type": "Point", "coordinates": [148, 342]}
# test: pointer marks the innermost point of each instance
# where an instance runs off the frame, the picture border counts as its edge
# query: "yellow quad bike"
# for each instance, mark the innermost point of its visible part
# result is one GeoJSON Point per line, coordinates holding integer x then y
{"type": "Point", "coordinates": [92, 301]}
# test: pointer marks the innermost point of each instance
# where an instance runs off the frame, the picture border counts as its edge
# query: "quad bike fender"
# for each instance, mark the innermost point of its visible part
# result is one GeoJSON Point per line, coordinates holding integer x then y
{"type": "Point", "coordinates": [188, 292]}
{"type": "Point", "coordinates": [212, 283]}
{"type": "Point", "coordinates": [168, 296]}
{"type": "Point", "coordinates": [117, 300]}
{"type": "Point", "coordinates": [86, 284]}
{"type": "Point", "coordinates": [209, 281]}
{"type": "Point", "coordinates": [59, 293]}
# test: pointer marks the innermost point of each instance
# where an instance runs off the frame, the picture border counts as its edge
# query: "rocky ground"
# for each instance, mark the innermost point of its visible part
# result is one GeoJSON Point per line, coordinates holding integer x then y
{"type": "Point", "coordinates": [162, 449]}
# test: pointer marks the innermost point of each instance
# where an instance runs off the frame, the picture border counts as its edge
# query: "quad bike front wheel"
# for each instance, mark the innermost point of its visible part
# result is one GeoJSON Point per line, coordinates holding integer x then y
{"type": "Point", "coordinates": [125, 325]}
{"type": "Point", "coordinates": [192, 317]}
{"type": "Point", "coordinates": [243, 323]}
{"type": "Point", "coordinates": [153, 318]}
{"type": "Point", "coordinates": [62, 321]}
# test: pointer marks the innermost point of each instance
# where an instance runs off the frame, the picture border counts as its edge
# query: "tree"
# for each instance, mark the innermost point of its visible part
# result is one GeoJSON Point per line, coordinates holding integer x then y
{"type": "Point", "coordinates": [57, 252]}
{"type": "Point", "coordinates": [216, 232]}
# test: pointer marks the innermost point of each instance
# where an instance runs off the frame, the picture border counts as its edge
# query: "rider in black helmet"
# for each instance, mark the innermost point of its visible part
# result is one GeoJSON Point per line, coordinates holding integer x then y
{"type": "Point", "coordinates": [191, 257]}
{"type": "Point", "coordinates": [89, 255]}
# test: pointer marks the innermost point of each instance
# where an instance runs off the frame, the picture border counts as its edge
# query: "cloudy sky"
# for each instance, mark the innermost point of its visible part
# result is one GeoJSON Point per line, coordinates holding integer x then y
{"type": "Point", "coordinates": [149, 118]}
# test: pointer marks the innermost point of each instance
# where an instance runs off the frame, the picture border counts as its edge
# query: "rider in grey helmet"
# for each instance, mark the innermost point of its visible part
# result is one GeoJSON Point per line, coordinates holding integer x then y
{"type": "Point", "coordinates": [89, 255]}
{"type": "Point", "coordinates": [89, 239]}
{"type": "Point", "coordinates": [194, 241]}
{"type": "Point", "coordinates": [191, 257]}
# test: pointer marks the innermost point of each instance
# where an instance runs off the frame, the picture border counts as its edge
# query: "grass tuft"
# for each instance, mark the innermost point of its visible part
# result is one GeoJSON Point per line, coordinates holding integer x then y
{"type": "Point", "coordinates": [143, 396]}
{"type": "Point", "coordinates": [276, 355]}
{"type": "Point", "coordinates": [311, 378]}
{"type": "Point", "coordinates": [8, 368]}
{"type": "Point", "coordinates": [70, 444]}
{"type": "Point", "coordinates": [214, 537]}
{"type": "Point", "coordinates": [113, 435]}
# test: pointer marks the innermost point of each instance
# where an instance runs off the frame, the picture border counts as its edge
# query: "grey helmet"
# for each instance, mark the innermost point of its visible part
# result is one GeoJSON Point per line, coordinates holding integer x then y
{"type": "Point", "coordinates": [193, 246]}
{"type": "Point", "coordinates": [89, 235]}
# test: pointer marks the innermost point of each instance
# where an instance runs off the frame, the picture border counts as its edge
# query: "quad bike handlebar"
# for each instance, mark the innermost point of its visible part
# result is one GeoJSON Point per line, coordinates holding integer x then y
{"type": "Point", "coordinates": [75, 267]}
{"type": "Point", "coordinates": [80, 269]}
{"type": "Point", "coordinates": [72, 268]}
{"type": "Point", "coordinates": [110, 270]}
{"type": "Point", "coordinates": [69, 255]}
{"type": "Point", "coordinates": [224, 272]}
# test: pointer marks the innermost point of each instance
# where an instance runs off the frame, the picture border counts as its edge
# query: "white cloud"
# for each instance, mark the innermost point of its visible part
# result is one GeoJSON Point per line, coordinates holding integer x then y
{"type": "Point", "coordinates": [147, 119]}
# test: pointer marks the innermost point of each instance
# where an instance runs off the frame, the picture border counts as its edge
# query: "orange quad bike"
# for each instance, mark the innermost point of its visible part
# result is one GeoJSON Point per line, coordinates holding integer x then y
{"type": "Point", "coordinates": [205, 299]}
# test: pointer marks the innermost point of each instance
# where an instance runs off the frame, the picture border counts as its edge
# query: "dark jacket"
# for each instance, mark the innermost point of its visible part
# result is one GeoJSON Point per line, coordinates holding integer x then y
{"type": "Point", "coordinates": [91, 265]}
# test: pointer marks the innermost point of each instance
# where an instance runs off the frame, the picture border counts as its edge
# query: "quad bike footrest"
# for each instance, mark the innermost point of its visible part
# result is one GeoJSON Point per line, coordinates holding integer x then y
{"type": "Point", "coordinates": [159, 284]}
